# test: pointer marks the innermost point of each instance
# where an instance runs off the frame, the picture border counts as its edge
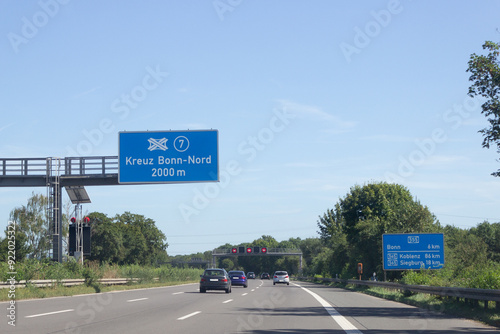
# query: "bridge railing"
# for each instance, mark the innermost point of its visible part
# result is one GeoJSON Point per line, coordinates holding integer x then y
{"type": "Point", "coordinates": [91, 165]}
{"type": "Point", "coordinates": [23, 166]}
{"type": "Point", "coordinates": [70, 166]}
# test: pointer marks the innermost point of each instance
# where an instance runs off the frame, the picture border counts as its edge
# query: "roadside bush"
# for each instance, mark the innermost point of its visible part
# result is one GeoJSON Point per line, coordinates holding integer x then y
{"type": "Point", "coordinates": [31, 269]}
{"type": "Point", "coordinates": [489, 278]}
{"type": "Point", "coordinates": [92, 273]}
{"type": "Point", "coordinates": [134, 271]}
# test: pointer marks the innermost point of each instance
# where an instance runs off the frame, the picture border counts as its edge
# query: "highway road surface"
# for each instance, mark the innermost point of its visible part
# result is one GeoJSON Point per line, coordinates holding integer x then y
{"type": "Point", "coordinates": [261, 308]}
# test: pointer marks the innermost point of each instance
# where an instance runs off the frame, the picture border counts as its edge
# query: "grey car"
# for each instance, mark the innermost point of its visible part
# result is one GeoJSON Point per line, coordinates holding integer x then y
{"type": "Point", "coordinates": [215, 279]}
{"type": "Point", "coordinates": [281, 277]}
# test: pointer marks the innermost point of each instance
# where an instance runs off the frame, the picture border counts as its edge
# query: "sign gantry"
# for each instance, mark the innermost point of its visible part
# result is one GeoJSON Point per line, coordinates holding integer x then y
{"type": "Point", "coordinates": [144, 157]}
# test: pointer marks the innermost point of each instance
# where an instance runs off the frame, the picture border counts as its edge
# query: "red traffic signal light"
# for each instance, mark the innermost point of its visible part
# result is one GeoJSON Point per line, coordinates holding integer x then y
{"type": "Point", "coordinates": [249, 249]}
{"type": "Point", "coordinates": [234, 250]}
{"type": "Point", "coordinates": [86, 220]}
{"type": "Point", "coordinates": [263, 250]}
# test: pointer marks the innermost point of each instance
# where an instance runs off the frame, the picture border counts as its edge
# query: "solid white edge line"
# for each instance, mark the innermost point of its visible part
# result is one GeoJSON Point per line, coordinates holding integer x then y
{"type": "Point", "coordinates": [339, 319]}
{"type": "Point", "coordinates": [189, 315]}
{"type": "Point", "coordinates": [136, 300]}
{"type": "Point", "coordinates": [49, 313]}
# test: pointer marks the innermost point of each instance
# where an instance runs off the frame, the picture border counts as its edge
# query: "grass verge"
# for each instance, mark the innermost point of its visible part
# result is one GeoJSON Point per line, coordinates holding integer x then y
{"type": "Point", "coordinates": [33, 292]}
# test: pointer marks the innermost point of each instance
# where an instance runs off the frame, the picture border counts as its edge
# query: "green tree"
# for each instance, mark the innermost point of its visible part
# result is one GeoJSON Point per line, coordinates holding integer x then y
{"type": "Point", "coordinates": [106, 241]}
{"type": "Point", "coordinates": [33, 222]}
{"type": "Point", "coordinates": [310, 247]}
{"type": "Point", "coordinates": [143, 241]}
{"type": "Point", "coordinates": [21, 249]}
{"type": "Point", "coordinates": [490, 234]}
{"type": "Point", "coordinates": [332, 234]}
{"type": "Point", "coordinates": [355, 228]}
{"type": "Point", "coordinates": [465, 250]}
{"type": "Point", "coordinates": [485, 77]}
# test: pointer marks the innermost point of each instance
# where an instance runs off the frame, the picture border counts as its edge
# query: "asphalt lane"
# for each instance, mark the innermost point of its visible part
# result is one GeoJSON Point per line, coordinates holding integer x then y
{"type": "Point", "coordinates": [372, 315]}
{"type": "Point", "coordinates": [261, 308]}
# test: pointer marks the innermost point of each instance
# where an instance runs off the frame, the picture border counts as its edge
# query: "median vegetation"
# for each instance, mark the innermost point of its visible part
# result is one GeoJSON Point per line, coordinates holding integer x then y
{"type": "Point", "coordinates": [139, 276]}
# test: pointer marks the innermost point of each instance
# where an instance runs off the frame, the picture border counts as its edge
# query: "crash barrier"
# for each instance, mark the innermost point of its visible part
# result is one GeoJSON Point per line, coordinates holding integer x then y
{"type": "Point", "coordinates": [66, 282]}
{"type": "Point", "coordinates": [467, 294]}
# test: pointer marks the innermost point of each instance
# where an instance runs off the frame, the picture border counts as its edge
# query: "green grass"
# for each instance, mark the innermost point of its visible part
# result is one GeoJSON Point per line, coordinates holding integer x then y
{"type": "Point", "coordinates": [33, 292]}
{"type": "Point", "coordinates": [145, 277]}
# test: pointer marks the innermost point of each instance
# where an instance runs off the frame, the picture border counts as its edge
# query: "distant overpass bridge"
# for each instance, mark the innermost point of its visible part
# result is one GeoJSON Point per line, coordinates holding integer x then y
{"type": "Point", "coordinates": [225, 252]}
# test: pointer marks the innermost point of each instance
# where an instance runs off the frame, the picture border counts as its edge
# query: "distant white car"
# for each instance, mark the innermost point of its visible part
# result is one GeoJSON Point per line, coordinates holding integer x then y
{"type": "Point", "coordinates": [281, 277]}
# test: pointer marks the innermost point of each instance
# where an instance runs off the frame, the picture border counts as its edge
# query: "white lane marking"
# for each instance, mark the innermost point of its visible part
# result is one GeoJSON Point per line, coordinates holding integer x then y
{"type": "Point", "coordinates": [189, 315]}
{"type": "Point", "coordinates": [136, 300]}
{"type": "Point", "coordinates": [339, 319]}
{"type": "Point", "coordinates": [49, 313]}
{"type": "Point", "coordinates": [227, 301]}
{"type": "Point", "coordinates": [246, 293]}
{"type": "Point", "coordinates": [252, 290]}
{"type": "Point", "coordinates": [177, 293]}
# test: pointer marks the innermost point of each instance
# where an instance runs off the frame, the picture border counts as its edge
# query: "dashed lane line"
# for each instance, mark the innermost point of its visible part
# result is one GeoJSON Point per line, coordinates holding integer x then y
{"type": "Point", "coordinates": [48, 313]}
{"type": "Point", "coordinates": [189, 315]}
{"type": "Point", "coordinates": [136, 300]}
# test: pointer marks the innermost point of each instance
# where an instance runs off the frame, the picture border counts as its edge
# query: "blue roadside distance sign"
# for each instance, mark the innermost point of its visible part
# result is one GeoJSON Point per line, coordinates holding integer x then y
{"type": "Point", "coordinates": [168, 156]}
{"type": "Point", "coordinates": [413, 251]}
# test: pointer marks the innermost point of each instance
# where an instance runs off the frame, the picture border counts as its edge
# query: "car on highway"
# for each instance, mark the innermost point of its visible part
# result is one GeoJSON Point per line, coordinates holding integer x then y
{"type": "Point", "coordinates": [265, 276]}
{"type": "Point", "coordinates": [238, 277]}
{"type": "Point", "coordinates": [251, 275]}
{"type": "Point", "coordinates": [215, 279]}
{"type": "Point", "coordinates": [281, 277]}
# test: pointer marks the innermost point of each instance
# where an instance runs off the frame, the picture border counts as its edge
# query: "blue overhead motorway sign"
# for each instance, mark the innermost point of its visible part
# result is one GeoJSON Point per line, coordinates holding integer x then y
{"type": "Point", "coordinates": [168, 156]}
{"type": "Point", "coordinates": [413, 251]}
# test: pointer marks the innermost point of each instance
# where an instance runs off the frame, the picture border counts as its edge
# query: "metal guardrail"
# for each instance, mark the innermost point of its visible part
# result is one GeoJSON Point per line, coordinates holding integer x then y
{"type": "Point", "coordinates": [66, 282]}
{"type": "Point", "coordinates": [486, 295]}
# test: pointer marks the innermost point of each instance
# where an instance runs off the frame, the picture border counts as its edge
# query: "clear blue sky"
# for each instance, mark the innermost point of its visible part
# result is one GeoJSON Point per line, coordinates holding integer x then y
{"type": "Point", "coordinates": [337, 93]}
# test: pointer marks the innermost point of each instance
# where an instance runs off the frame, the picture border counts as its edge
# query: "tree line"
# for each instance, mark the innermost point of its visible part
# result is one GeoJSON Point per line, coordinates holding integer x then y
{"type": "Point", "coordinates": [123, 239]}
{"type": "Point", "coordinates": [349, 233]}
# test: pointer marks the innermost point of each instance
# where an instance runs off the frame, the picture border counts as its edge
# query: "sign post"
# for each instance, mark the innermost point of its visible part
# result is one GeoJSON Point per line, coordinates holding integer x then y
{"type": "Point", "coordinates": [413, 251]}
{"type": "Point", "coordinates": [168, 156]}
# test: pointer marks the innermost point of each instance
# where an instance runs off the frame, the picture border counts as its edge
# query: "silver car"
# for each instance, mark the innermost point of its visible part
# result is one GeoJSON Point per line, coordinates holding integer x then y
{"type": "Point", "coordinates": [281, 277]}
